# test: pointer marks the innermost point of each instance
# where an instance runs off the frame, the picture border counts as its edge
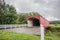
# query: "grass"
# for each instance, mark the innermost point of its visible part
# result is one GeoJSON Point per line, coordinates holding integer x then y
{"type": "Point", "coordinates": [55, 25]}
{"type": "Point", "coordinates": [52, 36]}
{"type": "Point", "coordinates": [16, 36]}
{"type": "Point", "coordinates": [53, 33]}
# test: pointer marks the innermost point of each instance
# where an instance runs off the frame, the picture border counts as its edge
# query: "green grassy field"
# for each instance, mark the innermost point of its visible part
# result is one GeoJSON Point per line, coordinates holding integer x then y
{"type": "Point", "coordinates": [16, 36]}
{"type": "Point", "coordinates": [55, 25]}
{"type": "Point", "coordinates": [53, 33]}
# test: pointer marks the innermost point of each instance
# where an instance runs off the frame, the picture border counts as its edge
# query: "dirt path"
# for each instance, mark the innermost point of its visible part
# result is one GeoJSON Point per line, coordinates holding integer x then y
{"type": "Point", "coordinates": [33, 30]}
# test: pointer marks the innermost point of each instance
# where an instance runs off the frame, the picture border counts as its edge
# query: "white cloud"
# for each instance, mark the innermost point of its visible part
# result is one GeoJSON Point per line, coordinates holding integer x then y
{"type": "Point", "coordinates": [50, 18]}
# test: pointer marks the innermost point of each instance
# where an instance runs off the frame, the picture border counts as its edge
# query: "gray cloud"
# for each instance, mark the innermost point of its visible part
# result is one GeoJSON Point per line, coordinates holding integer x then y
{"type": "Point", "coordinates": [50, 9]}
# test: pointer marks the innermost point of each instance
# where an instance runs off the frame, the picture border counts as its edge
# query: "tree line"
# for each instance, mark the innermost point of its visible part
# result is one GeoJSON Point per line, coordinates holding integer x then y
{"type": "Point", "coordinates": [8, 15]}
{"type": "Point", "coordinates": [55, 22]}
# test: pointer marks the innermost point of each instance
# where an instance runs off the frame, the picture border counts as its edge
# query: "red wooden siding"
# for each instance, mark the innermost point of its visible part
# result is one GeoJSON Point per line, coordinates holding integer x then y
{"type": "Point", "coordinates": [44, 22]}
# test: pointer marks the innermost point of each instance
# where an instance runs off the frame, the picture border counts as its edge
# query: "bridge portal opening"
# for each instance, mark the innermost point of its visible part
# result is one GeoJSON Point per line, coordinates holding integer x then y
{"type": "Point", "coordinates": [34, 22]}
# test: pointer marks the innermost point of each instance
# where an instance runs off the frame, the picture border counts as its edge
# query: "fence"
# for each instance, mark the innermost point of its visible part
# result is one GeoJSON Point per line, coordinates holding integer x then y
{"type": "Point", "coordinates": [12, 26]}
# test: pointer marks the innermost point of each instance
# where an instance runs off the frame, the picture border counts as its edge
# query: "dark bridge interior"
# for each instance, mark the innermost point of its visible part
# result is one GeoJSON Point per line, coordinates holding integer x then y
{"type": "Point", "coordinates": [35, 22]}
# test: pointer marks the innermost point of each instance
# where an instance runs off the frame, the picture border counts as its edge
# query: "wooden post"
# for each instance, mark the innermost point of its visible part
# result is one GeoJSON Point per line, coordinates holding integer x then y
{"type": "Point", "coordinates": [42, 32]}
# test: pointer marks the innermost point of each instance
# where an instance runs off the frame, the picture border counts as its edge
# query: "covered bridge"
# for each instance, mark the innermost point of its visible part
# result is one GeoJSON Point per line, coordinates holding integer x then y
{"type": "Point", "coordinates": [37, 21]}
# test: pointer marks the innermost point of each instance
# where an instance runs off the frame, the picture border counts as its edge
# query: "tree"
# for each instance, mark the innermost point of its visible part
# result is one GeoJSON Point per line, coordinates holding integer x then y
{"type": "Point", "coordinates": [11, 15]}
{"type": "Point", "coordinates": [22, 19]}
{"type": "Point", "coordinates": [2, 13]}
{"type": "Point", "coordinates": [7, 14]}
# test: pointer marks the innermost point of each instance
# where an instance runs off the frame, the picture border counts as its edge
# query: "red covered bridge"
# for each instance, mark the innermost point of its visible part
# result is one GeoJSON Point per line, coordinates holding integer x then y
{"type": "Point", "coordinates": [37, 21]}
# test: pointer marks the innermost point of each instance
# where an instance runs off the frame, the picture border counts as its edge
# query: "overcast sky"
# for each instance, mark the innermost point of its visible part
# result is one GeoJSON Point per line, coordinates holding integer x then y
{"type": "Point", "coordinates": [50, 9]}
